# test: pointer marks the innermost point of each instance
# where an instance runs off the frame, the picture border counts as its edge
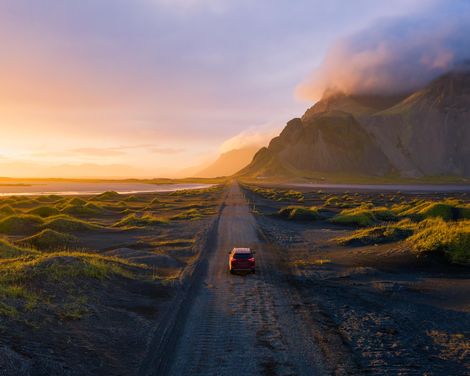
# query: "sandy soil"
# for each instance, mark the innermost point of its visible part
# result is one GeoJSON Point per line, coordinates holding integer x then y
{"type": "Point", "coordinates": [118, 316]}
{"type": "Point", "coordinates": [396, 314]}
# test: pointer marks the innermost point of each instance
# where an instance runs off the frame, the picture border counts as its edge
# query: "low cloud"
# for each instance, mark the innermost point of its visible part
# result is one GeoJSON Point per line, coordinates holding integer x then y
{"type": "Point", "coordinates": [395, 55]}
{"type": "Point", "coordinates": [99, 152]}
{"type": "Point", "coordinates": [164, 150]}
{"type": "Point", "coordinates": [252, 137]}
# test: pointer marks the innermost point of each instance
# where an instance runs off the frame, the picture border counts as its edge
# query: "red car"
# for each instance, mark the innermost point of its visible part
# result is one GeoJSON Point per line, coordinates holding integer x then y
{"type": "Point", "coordinates": [241, 260]}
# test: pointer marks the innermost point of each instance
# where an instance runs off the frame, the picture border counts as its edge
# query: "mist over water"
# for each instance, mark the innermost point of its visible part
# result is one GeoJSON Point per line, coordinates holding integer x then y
{"type": "Point", "coordinates": [395, 55]}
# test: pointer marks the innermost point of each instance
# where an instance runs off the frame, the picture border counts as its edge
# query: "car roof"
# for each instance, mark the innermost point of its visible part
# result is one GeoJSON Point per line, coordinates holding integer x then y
{"type": "Point", "coordinates": [241, 250]}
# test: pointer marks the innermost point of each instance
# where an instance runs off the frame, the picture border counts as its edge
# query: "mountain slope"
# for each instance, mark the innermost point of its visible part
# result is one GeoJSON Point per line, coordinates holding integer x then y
{"type": "Point", "coordinates": [229, 163]}
{"type": "Point", "coordinates": [426, 133]}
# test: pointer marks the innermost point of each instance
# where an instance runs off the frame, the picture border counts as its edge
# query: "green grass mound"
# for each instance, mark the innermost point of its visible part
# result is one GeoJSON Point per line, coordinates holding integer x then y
{"type": "Point", "coordinates": [26, 203]}
{"type": "Point", "coordinates": [191, 214]}
{"type": "Point", "coordinates": [438, 236]}
{"type": "Point", "coordinates": [363, 216]}
{"type": "Point", "coordinates": [147, 219]}
{"type": "Point", "coordinates": [49, 198]}
{"type": "Point", "coordinates": [447, 210]}
{"type": "Point", "coordinates": [293, 195]}
{"type": "Point", "coordinates": [332, 201]}
{"type": "Point", "coordinates": [50, 240]}
{"type": "Point", "coordinates": [7, 210]}
{"type": "Point", "coordinates": [82, 210]}
{"type": "Point", "coordinates": [60, 277]}
{"type": "Point", "coordinates": [77, 201]}
{"type": "Point", "coordinates": [134, 198]}
{"type": "Point", "coordinates": [65, 223]}
{"type": "Point", "coordinates": [299, 213]}
{"type": "Point", "coordinates": [8, 250]}
{"type": "Point", "coordinates": [20, 224]}
{"type": "Point", "coordinates": [108, 196]}
{"type": "Point", "coordinates": [378, 234]}
{"type": "Point", "coordinates": [44, 211]}
{"type": "Point", "coordinates": [65, 268]}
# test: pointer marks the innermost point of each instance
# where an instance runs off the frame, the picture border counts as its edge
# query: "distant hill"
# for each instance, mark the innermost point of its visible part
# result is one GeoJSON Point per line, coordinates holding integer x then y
{"type": "Point", "coordinates": [229, 163]}
{"type": "Point", "coordinates": [425, 133]}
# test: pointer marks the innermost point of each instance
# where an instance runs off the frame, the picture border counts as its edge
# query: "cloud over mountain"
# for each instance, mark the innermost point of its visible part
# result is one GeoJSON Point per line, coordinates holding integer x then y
{"type": "Point", "coordinates": [395, 55]}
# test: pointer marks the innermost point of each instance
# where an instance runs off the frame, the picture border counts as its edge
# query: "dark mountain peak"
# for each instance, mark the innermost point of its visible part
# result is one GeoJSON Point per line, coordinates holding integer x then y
{"type": "Point", "coordinates": [451, 89]}
{"type": "Point", "coordinates": [357, 105]}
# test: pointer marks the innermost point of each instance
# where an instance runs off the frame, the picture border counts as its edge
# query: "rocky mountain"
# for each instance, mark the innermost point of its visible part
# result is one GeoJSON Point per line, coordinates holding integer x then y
{"type": "Point", "coordinates": [425, 133]}
{"type": "Point", "coordinates": [228, 163]}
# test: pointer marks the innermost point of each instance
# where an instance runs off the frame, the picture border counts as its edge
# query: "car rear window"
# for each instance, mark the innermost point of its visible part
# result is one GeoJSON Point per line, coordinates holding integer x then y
{"type": "Point", "coordinates": [242, 256]}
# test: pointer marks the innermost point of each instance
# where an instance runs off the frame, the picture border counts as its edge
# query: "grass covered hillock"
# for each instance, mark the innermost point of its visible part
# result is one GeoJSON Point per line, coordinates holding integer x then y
{"type": "Point", "coordinates": [54, 282]}
{"type": "Point", "coordinates": [451, 239]}
{"type": "Point", "coordinates": [294, 212]}
{"type": "Point", "coordinates": [108, 196]}
{"type": "Point", "coordinates": [147, 219]}
{"type": "Point", "coordinates": [6, 210]}
{"type": "Point", "coordinates": [49, 240]}
{"type": "Point", "coordinates": [364, 216]}
{"type": "Point", "coordinates": [66, 223]}
{"type": "Point", "coordinates": [20, 224]}
{"type": "Point", "coordinates": [82, 210]}
{"type": "Point", "coordinates": [44, 211]}
{"type": "Point", "coordinates": [379, 234]}
{"type": "Point", "coordinates": [8, 250]}
{"type": "Point", "coordinates": [420, 210]}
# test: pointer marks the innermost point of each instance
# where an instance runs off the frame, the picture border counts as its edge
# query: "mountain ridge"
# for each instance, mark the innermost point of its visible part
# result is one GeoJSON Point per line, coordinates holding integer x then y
{"type": "Point", "coordinates": [410, 135]}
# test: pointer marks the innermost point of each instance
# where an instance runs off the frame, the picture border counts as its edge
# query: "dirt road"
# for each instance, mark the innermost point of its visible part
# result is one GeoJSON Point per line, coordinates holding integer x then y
{"type": "Point", "coordinates": [243, 324]}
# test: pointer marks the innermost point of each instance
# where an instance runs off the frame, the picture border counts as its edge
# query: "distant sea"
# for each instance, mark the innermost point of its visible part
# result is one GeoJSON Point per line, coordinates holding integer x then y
{"type": "Point", "coordinates": [38, 188]}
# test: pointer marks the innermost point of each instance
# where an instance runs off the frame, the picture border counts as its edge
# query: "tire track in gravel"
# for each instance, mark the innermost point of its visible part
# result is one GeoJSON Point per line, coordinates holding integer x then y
{"type": "Point", "coordinates": [243, 324]}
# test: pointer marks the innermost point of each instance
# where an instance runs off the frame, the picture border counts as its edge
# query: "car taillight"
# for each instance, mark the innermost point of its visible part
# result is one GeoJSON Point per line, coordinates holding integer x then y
{"type": "Point", "coordinates": [251, 259]}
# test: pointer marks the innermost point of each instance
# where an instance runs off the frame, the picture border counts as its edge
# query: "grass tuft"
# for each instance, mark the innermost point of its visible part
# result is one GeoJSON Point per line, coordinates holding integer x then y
{"type": "Point", "coordinates": [379, 234]}
{"type": "Point", "coordinates": [364, 216]}
{"type": "Point", "coordinates": [299, 213]}
{"type": "Point", "coordinates": [438, 236]}
{"type": "Point", "coordinates": [147, 219]}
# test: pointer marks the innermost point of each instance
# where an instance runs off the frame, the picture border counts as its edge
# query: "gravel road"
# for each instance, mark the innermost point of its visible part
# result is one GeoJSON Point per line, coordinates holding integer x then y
{"type": "Point", "coordinates": [243, 324]}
